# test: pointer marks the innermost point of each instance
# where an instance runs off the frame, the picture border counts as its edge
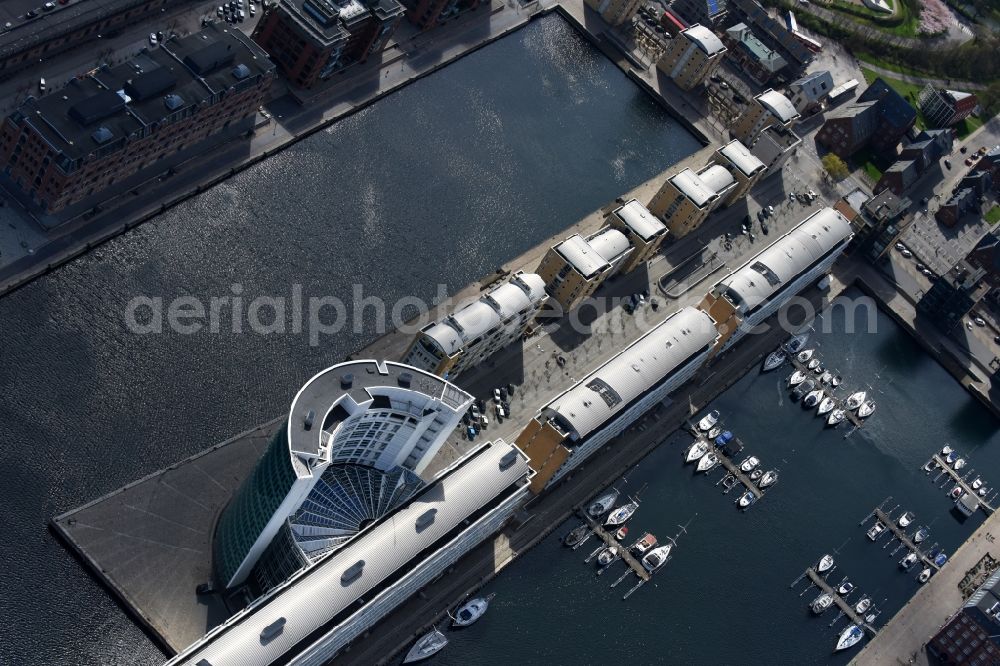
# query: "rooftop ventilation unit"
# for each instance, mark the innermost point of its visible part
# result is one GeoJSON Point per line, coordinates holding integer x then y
{"type": "Point", "coordinates": [509, 459]}
{"type": "Point", "coordinates": [405, 379]}
{"type": "Point", "coordinates": [272, 630]}
{"type": "Point", "coordinates": [346, 380]}
{"type": "Point", "coordinates": [241, 72]}
{"type": "Point", "coordinates": [353, 572]}
{"type": "Point", "coordinates": [173, 102]}
{"type": "Point", "coordinates": [426, 519]}
{"type": "Point", "coordinates": [101, 136]}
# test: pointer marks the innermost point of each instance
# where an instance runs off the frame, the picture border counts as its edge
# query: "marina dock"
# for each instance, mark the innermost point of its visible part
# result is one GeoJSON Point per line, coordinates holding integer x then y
{"type": "Point", "coordinates": [724, 460]}
{"type": "Point", "coordinates": [903, 538]}
{"type": "Point", "coordinates": [945, 467]}
{"type": "Point", "coordinates": [827, 390]}
{"type": "Point", "coordinates": [610, 540]}
{"type": "Point", "coordinates": [841, 603]}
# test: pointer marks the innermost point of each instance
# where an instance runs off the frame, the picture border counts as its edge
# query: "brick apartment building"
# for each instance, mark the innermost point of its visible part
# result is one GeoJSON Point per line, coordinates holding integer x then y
{"type": "Point", "coordinates": [66, 26]}
{"type": "Point", "coordinates": [310, 40]}
{"type": "Point", "coordinates": [879, 119]}
{"type": "Point", "coordinates": [119, 121]}
{"type": "Point", "coordinates": [426, 14]}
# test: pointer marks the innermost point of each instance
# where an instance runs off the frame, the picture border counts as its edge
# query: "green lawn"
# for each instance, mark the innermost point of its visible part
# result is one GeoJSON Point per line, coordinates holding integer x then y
{"type": "Point", "coordinates": [865, 160]}
{"type": "Point", "coordinates": [993, 215]}
{"type": "Point", "coordinates": [968, 126]}
{"type": "Point", "coordinates": [911, 91]}
{"type": "Point", "coordinates": [907, 26]}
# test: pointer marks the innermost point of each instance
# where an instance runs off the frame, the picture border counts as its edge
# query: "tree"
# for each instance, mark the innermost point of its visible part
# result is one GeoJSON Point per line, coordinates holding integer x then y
{"type": "Point", "coordinates": [835, 166]}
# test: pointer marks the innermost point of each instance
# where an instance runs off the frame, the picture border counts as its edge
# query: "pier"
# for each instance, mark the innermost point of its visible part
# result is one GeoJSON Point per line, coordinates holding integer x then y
{"type": "Point", "coordinates": [841, 603]}
{"type": "Point", "coordinates": [724, 460]}
{"type": "Point", "coordinates": [828, 390]}
{"type": "Point", "coordinates": [946, 468]}
{"type": "Point", "coordinates": [609, 539]}
{"type": "Point", "coordinates": [903, 538]}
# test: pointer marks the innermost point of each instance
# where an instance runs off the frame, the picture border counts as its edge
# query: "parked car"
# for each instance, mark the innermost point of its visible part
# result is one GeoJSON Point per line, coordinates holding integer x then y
{"type": "Point", "coordinates": [49, 6]}
{"type": "Point", "coordinates": [510, 390]}
{"type": "Point", "coordinates": [241, 16]}
{"type": "Point", "coordinates": [906, 254]}
{"type": "Point", "coordinates": [964, 149]}
{"type": "Point", "coordinates": [496, 395]}
{"type": "Point", "coordinates": [791, 197]}
{"type": "Point", "coordinates": [41, 85]}
{"type": "Point", "coordinates": [724, 85]}
{"type": "Point", "coordinates": [900, 247]}
{"type": "Point", "coordinates": [928, 272]}
{"type": "Point", "coordinates": [152, 39]}
{"type": "Point", "coordinates": [470, 432]}
{"type": "Point", "coordinates": [980, 322]}
{"type": "Point", "coordinates": [253, 10]}
{"type": "Point", "coordinates": [969, 161]}
{"type": "Point", "coordinates": [655, 304]}
{"type": "Point", "coordinates": [947, 164]}
{"type": "Point", "coordinates": [770, 211]}
{"type": "Point", "coordinates": [485, 421]}
{"type": "Point", "coordinates": [760, 216]}
{"type": "Point", "coordinates": [812, 195]}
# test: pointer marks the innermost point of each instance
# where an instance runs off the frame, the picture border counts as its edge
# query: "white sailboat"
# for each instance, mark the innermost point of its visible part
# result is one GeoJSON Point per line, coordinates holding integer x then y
{"type": "Point", "coordinates": [855, 400]}
{"type": "Point", "coordinates": [805, 355]}
{"type": "Point", "coordinates": [812, 399]}
{"type": "Point", "coordinates": [749, 464]}
{"type": "Point", "coordinates": [774, 360]}
{"type": "Point", "coordinates": [621, 514]}
{"type": "Point", "coordinates": [708, 461]}
{"type": "Point", "coordinates": [826, 377]}
{"type": "Point", "coordinates": [657, 557]}
{"type": "Point", "coordinates": [905, 520]}
{"type": "Point", "coordinates": [959, 464]}
{"type": "Point", "coordinates": [426, 647]}
{"type": "Point", "coordinates": [825, 564]}
{"type": "Point", "coordinates": [603, 504]}
{"type": "Point", "coordinates": [863, 605]}
{"type": "Point", "coordinates": [607, 556]}
{"type": "Point", "coordinates": [709, 420]}
{"type": "Point", "coordinates": [469, 612]}
{"type": "Point", "coordinates": [836, 416]}
{"type": "Point", "coordinates": [697, 450]}
{"type": "Point", "coordinates": [797, 378]}
{"type": "Point", "coordinates": [921, 535]}
{"type": "Point", "coordinates": [813, 364]}
{"type": "Point", "coordinates": [826, 405]}
{"type": "Point", "coordinates": [768, 479]}
{"type": "Point", "coordinates": [924, 576]}
{"type": "Point", "coordinates": [797, 342]}
{"type": "Point", "coordinates": [866, 409]}
{"type": "Point", "coordinates": [946, 450]}
{"type": "Point", "coordinates": [849, 638]}
{"type": "Point", "coordinates": [821, 603]}
{"type": "Point", "coordinates": [746, 500]}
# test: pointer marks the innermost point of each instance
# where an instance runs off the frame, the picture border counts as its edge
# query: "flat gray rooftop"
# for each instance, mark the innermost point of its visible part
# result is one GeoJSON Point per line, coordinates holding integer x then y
{"type": "Point", "coordinates": [150, 542]}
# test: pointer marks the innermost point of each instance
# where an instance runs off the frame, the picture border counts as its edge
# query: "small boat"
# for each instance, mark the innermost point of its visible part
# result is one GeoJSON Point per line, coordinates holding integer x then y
{"type": "Point", "coordinates": [621, 514]}
{"type": "Point", "coordinates": [845, 588]}
{"type": "Point", "coordinates": [849, 638]}
{"type": "Point", "coordinates": [749, 463]}
{"type": "Point", "coordinates": [866, 409]}
{"type": "Point", "coordinates": [427, 646]}
{"type": "Point", "coordinates": [774, 360]}
{"type": "Point", "coordinates": [708, 461]}
{"type": "Point", "coordinates": [863, 605]}
{"type": "Point", "coordinates": [576, 535]}
{"type": "Point", "coordinates": [622, 532]}
{"type": "Point", "coordinates": [756, 474]}
{"type": "Point", "coordinates": [819, 370]}
{"type": "Point", "coordinates": [959, 464]}
{"type": "Point", "coordinates": [826, 405]}
{"type": "Point", "coordinates": [855, 400]}
{"type": "Point", "coordinates": [805, 355]}
{"type": "Point", "coordinates": [826, 378]}
{"type": "Point", "coordinates": [714, 432]}
{"type": "Point", "coordinates": [921, 534]}
{"type": "Point", "coordinates": [908, 561]}
{"type": "Point", "coordinates": [769, 478]}
{"type": "Point", "coordinates": [940, 559]}
{"type": "Point", "coordinates": [697, 450]}
{"type": "Point", "coordinates": [708, 421]}
{"type": "Point", "coordinates": [821, 603]}
{"type": "Point", "coordinates": [724, 438]}
{"type": "Point", "coordinates": [657, 557]}
{"type": "Point", "coordinates": [982, 491]}
{"type": "Point", "coordinates": [955, 493]}
{"type": "Point", "coordinates": [803, 388]}
{"type": "Point", "coordinates": [813, 364]}
{"type": "Point", "coordinates": [797, 342]}
{"type": "Point", "coordinates": [836, 416]}
{"type": "Point", "coordinates": [812, 399]}
{"type": "Point", "coordinates": [946, 450]}
{"type": "Point", "coordinates": [836, 381]}
{"type": "Point", "coordinates": [925, 575]}
{"type": "Point", "coordinates": [905, 520]}
{"type": "Point", "coordinates": [604, 503]}
{"type": "Point", "coordinates": [825, 564]}
{"type": "Point", "coordinates": [746, 500]}
{"type": "Point", "coordinates": [729, 482]}
{"type": "Point", "coordinates": [607, 556]}
{"type": "Point", "coordinates": [876, 530]}
{"type": "Point", "coordinates": [471, 611]}
{"type": "Point", "coordinates": [797, 378]}
{"type": "Point", "coordinates": [977, 483]}
{"type": "Point", "coordinates": [931, 466]}
{"type": "Point", "coordinates": [644, 544]}
{"type": "Point", "coordinates": [951, 457]}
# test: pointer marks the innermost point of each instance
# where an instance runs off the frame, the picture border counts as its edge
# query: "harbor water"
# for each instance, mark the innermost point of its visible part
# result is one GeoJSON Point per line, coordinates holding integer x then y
{"type": "Point", "coordinates": [439, 183]}
{"type": "Point", "coordinates": [724, 598]}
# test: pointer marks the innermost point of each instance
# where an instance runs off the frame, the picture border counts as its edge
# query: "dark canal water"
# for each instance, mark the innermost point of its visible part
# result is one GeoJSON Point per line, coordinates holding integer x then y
{"type": "Point", "coordinates": [439, 183]}
{"type": "Point", "coordinates": [724, 598]}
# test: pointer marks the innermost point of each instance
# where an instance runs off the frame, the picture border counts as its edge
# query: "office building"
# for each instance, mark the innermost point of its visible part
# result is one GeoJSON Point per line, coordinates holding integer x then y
{"type": "Point", "coordinates": [385, 417]}
{"type": "Point", "coordinates": [898, 178]}
{"type": "Point", "coordinates": [953, 295]}
{"type": "Point", "coordinates": [614, 12]}
{"type": "Point", "coordinates": [599, 407]}
{"type": "Point", "coordinates": [767, 109]}
{"type": "Point", "coordinates": [879, 119]}
{"type": "Point", "coordinates": [881, 222]}
{"type": "Point", "coordinates": [685, 200]}
{"type": "Point", "coordinates": [773, 34]}
{"type": "Point", "coordinates": [751, 55]}
{"type": "Point", "coordinates": [310, 40]}
{"type": "Point", "coordinates": [755, 291]}
{"type": "Point", "coordinates": [709, 13]}
{"type": "Point", "coordinates": [744, 166]}
{"type": "Point", "coordinates": [808, 93]}
{"type": "Point", "coordinates": [692, 56]}
{"type": "Point", "coordinates": [314, 615]}
{"type": "Point", "coordinates": [944, 108]}
{"type": "Point", "coordinates": [574, 268]}
{"type": "Point", "coordinates": [477, 331]}
{"type": "Point", "coordinates": [971, 637]}
{"type": "Point", "coordinates": [773, 147]}
{"type": "Point", "coordinates": [121, 125]}
{"type": "Point", "coordinates": [645, 233]}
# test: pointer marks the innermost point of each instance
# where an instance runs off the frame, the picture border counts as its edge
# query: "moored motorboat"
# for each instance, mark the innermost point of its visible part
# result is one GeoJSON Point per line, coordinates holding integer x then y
{"type": "Point", "coordinates": [925, 575]}
{"type": "Point", "coordinates": [866, 409]}
{"type": "Point", "coordinates": [697, 450]}
{"type": "Point", "coordinates": [471, 611]}
{"type": "Point", "coordinates": [708, 461]}
{"type": "Point", "coordinates": [803, 388]}
{"type": "Point", "coordinates": [749, 463]}
{"type": "Point", "coordinates": [607, 556]}
{"type": "Point", "coordinates": [819, 370]}
{"type": "Point", "coordinates": [836, 381]}
{"type": "Point", "coordinates": [756, 474]}
{"type": "Point", "coordinates": [724, 438]}
{"type": "Point", "coordinates": [621, 514]}
{"type": "Point", "coordinates": [951, 457]}
{"type": "Point", "coordinates": [946, 450]}
{"type": "Point", "coordinates": [931, 466]}
{"type": "Point", "coordinates": [728, 482]}
{"type": "Point", "coordinates": [709, 420]}
{"type": "Point", "coordinates": [812, 399]}
{"type": "Point", "coordinates": [908, 561]}
{"type": "Point", "coordinates": [836, 416]}
{"type": "Point", "coordinates": [845, 588]}
{"type": "Point", "coordinates": [826, 378]}
{"type": "Point", "coordinates": [768, 479]}
{"type": "Point", "coordinates": [876, 530]}
{"type": "Point", "coordinates": [713, 433]}
{"type": "Point", "coordinates": [813, 364]}
{"type": "Point", "coordinates": [795, 343]}
{"type": "Point", "coordinates": [826, 405]}
{"type": "Point", "coordinates": [850, 637]}
{"type": "Point", "coordinates": [855, 400]}
{"type": "Point", "coordinates": [863, 605]}
{"type": "Point", "coordinates": [825, 564]}
{"type": "Point", "coordinates": [657, 557]}
{"type": "Point", "coordinates": [982, 491]}
{"type": "Point", "coordinates": [959, 464]}
{"type": "Point", "coordinates": [603, 503]}
{"type": "Point", "coordinates": [576, 535]}
{"type": "Point", "coordinates": [797, 378]}
{"type": "Point", "coordinates": [921, 534]}
{"type": "Point", "coordinates": [955, 493]}
{"type": "Point", "coordinates": [644, 544]}
{"type": "Point", "coordinates": [746, 500]}
{"type": "Point", "coordinates": [805, 355]}
{"type": "Point", "coordinates": [426, 646]}
{"type": "Point", "coordinates": [905, 520]}
{"type": "Point", "coordinates": [774, 360]}
{"type": "Point", "coordinates": [622, 532]}
{"type": "Point", "coordinates": [978, 482]}
{"type": "Point", "coordinates": [940, 559]}
{"type": "Point", "coordinates": [821, 603]}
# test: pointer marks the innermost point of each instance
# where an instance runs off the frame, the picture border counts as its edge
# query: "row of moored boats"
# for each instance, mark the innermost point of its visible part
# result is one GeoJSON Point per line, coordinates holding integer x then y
{"type": "Point", "coordinates": [708, 457]}
{"type": "Point", "coordinates": [434, 641]}
{"type": "Point", "coordinates": [853, 634]}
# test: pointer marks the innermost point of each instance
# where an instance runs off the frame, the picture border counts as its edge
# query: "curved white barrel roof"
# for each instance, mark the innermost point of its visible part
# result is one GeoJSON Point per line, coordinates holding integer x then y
{"type": "Point", "coordinates": [596, 398]}
{"type": "Point", "coordinates": [642, 223]}
{"type": "Point", "coordinates": [447, 338]}
{"type": "Point", "coordinates": [693, 187]}
{"type": "Point", "coordinates": [475, 319]}
{"type": "Point", "coordinates": [706, 40]}
{"type": "Point", "coordinates": [784, 259]}
{"type": "Point", "coordinates": [581, 256]}
{"type": "Point", "coordinates": [742, 158]}
{"type": "Point", "coordinates": [610, 244]}
{"type": "Point", "coordinates": [778, 104]}
{"type": "Point", "coordinates": [717, 177]}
